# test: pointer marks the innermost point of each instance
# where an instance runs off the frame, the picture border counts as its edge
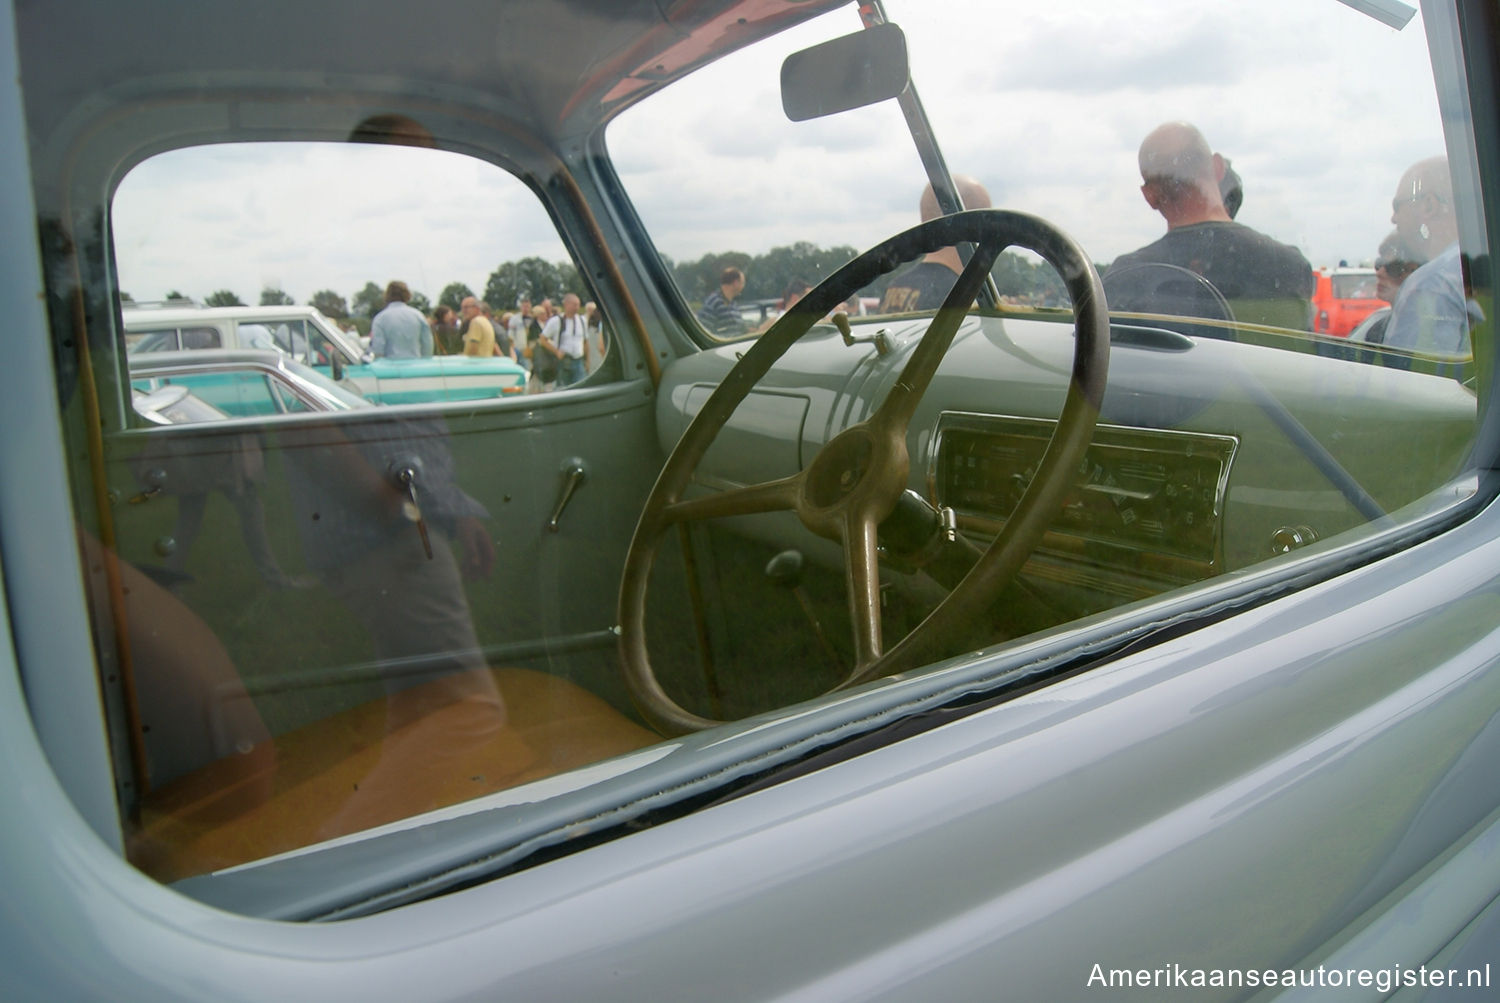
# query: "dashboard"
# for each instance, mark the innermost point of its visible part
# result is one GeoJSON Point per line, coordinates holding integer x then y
{"type": "Point", "coordinates": [1209, 455]}
{"type": "Point", "coordinates": [1146, 502]}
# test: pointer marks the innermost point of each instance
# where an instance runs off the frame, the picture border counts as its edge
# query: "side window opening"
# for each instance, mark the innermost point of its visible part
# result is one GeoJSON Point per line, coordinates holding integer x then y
{"type": "Point", "coordinates": [201, 337]}
{"type": "Point", "coordinates": [163, 340]}
{"type": "Point", "coordinates": [420, 233]}
{"type": "Point", "coordinates": [337, 579]}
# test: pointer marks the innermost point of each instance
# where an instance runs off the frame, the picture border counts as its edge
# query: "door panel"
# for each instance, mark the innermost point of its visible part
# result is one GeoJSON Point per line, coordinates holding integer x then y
{"type": "Point", "coordinates": [292, 559]}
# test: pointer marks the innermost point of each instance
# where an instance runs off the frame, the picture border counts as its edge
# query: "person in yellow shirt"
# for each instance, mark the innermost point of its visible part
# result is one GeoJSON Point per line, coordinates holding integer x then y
{"type": "Point", "coordinates": [479, 334]}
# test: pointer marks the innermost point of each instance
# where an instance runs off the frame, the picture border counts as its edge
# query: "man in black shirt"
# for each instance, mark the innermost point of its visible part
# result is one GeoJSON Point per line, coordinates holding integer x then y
{"type": "Point", "coordinates": [447, 336]}
{"type": "Point", "coordinates": [1206, 260]}
{"type": "Point", "coordinates": [924, 285]}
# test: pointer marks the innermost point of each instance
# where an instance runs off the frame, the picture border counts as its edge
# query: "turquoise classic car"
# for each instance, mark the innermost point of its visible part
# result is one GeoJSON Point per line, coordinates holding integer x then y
{"type": "Point", "coordinates": [242, 383]}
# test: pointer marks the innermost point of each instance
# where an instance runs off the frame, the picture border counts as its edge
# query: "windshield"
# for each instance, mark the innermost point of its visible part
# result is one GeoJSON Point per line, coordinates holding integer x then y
{"type": "Point", "coordinates": [1053, 121]}
{"type": "Point", "coordinates": [1359, 286]}
{"type": "Point", "coordinates": [332, 395]}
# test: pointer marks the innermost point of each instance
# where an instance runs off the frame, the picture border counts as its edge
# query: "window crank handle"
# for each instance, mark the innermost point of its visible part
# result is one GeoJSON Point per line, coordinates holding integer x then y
{"type": "Point", "coordinates": [574, 474]}
{"type": "Point", "coordinates": [406, 477]}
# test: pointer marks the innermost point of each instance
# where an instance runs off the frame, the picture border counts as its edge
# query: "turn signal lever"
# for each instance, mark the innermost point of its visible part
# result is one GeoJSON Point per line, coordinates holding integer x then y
{"type": "Point", "coordinates": [917, 536]}
{"type": "Point", "coordinates": [880, 339]}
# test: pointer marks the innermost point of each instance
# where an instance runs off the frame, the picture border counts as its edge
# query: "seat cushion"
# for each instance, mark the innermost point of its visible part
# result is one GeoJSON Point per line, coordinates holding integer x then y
{"type": "Point", "coordinates": [426, 747]}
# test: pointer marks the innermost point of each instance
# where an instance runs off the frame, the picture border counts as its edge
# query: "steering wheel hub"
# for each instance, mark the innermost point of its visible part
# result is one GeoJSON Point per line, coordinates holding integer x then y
{"type": "Point", "coordinates": [839, 469]}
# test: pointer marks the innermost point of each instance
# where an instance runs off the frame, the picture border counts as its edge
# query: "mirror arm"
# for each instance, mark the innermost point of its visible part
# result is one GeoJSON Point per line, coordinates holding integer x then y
{"type": "Point", "coordinates": [872, 14]}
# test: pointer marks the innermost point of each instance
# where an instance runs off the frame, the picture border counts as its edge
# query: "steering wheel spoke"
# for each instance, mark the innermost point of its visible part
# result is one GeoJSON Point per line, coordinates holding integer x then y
{"type": "Point", "coordinates": [772, 496]}
{"type": "Point", "coordinates": [862, 578]}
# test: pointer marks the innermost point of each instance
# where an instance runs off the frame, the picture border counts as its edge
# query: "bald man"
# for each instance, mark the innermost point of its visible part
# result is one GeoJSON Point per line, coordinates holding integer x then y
{"type": "Point", "coordinates": [1431, 312]}
{"type": "Point", "coordinates": [924, 285]}
{"type": "Point", "coordinates": [1264, 281]}
{"type": "Point", "coordinates": [479, 333]}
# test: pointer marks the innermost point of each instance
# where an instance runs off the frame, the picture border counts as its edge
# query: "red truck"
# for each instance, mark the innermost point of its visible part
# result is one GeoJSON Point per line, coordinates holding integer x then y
{"type": "Point", "coordinates": [1342, 299]}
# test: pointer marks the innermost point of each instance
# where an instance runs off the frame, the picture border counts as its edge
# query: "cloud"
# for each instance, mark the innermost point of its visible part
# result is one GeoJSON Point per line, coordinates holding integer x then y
{"type": "Point", "coordinates": [314, 216]}
{"type": "Point", "coordinates": [1086, 60]}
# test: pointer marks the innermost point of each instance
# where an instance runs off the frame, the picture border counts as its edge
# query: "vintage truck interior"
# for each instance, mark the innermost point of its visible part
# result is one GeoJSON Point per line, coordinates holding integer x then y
{"type": "Point", "coordinates": [345, 662]}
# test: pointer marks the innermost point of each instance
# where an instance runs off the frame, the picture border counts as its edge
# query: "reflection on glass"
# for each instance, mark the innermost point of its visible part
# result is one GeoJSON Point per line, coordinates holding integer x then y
{"type": "Point", "coordinates": [388, 540]}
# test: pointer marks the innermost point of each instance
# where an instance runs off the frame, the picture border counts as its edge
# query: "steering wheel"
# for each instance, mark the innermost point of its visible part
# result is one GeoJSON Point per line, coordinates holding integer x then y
{"type": "Point", "coordinates": [854, 482]}
{"type": "Point", "coordinates": [1159, 288]}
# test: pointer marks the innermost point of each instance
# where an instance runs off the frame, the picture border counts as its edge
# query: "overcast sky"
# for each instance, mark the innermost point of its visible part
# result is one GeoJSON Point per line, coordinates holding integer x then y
{"type": "Point", "coordinates": [1319, 108]}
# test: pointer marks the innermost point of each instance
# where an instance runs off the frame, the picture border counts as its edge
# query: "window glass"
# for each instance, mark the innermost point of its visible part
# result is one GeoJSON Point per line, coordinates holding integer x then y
{"type": "Point", "coordinates": [256, 336]}
{"type": "Point", "coordinates": [201, 337]}
{"type": "Point", "coordinates": [1355, 286]}
{"type": "Point", "coordinates": [237, 393]}
{"type": "Point", "coordinates": [291, 338]}
{"type": "Point", "coordinates": [340, 228]}
{"type": "Point", "coordinates": [290, 402]}
{"type": "Point", "coordinates": [337, 609]}
{"type": "Point", "coordinates": [163, 403]}
{"type": "Point", "coordinates": [164, 340]}
{"type": "Point", "coordinates": [320, 349]}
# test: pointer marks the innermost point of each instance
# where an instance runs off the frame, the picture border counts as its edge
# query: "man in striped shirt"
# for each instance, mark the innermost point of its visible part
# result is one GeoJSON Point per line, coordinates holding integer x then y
{"type": "Point", "coordinates": [718, 312]}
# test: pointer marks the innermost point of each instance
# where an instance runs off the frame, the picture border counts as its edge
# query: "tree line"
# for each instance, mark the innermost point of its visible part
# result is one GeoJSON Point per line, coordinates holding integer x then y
{"type": "Point", "coordinates": [766, 277]}
{"type": "Point", "coordinates": [533, 277]}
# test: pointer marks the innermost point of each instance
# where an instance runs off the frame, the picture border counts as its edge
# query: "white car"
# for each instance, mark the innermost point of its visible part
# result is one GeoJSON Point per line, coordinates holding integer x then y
{"type": "Point", "coordinates": [1372, 328]}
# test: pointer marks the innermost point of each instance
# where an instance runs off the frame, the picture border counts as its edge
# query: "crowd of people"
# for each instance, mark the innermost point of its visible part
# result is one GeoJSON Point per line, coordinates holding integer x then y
{"type": "Point", "coordinates": [1207, 266]}
{"type": "Point", "coordinates": [557, 344]}
{"type": "Point", "coordinates": [1418, 266]}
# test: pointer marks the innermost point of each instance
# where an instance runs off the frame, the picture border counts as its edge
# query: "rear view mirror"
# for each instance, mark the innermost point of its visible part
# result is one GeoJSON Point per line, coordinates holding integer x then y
{"type": "Point", "coordinates": [850, 72]}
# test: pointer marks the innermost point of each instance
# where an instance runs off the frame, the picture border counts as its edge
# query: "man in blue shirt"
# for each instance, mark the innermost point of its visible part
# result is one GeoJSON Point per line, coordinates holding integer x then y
{"type": "Point", "coordinates": [1432, 313]}
{"type": "Point", "coordinates": [400, 331]}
